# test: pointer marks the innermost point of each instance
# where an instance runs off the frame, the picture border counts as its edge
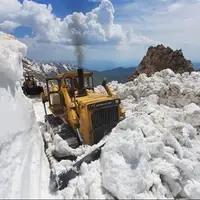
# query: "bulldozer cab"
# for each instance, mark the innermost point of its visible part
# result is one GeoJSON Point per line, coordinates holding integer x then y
{"type": "Point", "coordinates": [29, 81]}
{"type": "Point", "coordinates": [29, 78]}
{"type": "Point", "coordinates": [30, 86]}
{"type": "Point", "coordinates": [72, 83]}
{"type": "Point", "coordinates": [77, 87]}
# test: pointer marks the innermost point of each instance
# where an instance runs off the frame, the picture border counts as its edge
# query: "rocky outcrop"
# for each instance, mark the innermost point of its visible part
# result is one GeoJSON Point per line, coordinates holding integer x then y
{"type": "Point", "coordinates": [159, 57]}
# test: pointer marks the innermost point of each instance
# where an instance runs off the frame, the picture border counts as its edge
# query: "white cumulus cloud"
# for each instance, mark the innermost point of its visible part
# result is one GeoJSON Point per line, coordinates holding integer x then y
{"type": "Point", "coordinates": [172, 22]}
{"type": "Point", "coordinates": [94, 27]}
{"type": "Point", "coordinates": [8, 26]}
{"type": "Point", "coordinates": [122, 31]}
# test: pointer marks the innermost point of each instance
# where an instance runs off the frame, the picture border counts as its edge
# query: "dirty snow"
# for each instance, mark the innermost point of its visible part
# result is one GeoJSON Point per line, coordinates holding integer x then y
{"type": "Point", "coordinates": [23, 166]}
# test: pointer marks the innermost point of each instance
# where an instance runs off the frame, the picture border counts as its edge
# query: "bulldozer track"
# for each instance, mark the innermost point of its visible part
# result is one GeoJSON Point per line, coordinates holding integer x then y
{"type": "Point", "coordinates": [59, 127]}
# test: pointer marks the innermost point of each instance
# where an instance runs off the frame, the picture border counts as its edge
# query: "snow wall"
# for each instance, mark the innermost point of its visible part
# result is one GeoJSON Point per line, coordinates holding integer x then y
{"type": "Point", "coordinates": [23, 165]}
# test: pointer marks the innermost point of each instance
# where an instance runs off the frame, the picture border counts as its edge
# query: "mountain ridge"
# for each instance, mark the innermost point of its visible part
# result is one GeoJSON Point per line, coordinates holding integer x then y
{"type": "Point", "coordinates": [45, 69]}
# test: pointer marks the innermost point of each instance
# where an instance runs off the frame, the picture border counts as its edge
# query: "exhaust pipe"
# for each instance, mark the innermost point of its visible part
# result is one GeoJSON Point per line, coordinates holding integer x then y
{"type": "Point", "coordinates": [81, 81]}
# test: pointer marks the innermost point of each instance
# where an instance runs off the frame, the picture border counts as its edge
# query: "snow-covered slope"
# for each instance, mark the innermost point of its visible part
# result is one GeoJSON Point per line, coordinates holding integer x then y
{"type": "Point", "coordinates": [24, 169]}
{"type": "Point", "coordinates": [43, 70]}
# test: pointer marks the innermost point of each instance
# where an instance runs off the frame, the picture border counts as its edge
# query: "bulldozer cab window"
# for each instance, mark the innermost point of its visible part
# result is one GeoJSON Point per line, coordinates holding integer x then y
{"type": "Point", "coordinates": [27, 78]}
{"type": "Point", "coordinates": [69, 85]}
{"type": "Point", "coordinates": [55, 99]}
{"type": "Point", "coordinates": [53, 85]}
{"type": "Point", "coordinates": [89, 82]}
{"type": "Point", "coordinates": [76, 84]}
{"type": "Point", "coordinates": [68, 82]}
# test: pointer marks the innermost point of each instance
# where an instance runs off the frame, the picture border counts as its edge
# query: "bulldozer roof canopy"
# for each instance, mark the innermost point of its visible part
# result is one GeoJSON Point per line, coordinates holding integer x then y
{"type": "Point", "coordinates": [73, 75]}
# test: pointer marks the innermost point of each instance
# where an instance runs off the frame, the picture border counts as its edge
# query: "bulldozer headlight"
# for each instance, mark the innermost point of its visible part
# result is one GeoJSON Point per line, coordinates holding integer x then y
{"type": "Point", "coordinates": [117, 101]}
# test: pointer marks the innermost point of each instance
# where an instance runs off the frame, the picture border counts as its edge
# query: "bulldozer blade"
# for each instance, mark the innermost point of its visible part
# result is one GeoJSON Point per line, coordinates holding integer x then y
{"type": "Point", "coordinates": [65, 177]}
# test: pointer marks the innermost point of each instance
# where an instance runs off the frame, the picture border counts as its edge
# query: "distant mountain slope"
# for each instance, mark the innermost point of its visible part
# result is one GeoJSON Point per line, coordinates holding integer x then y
{"type": "Point", "coordinates": [196, 65]}
{"type": "Point", "coordinates": [43, 70]}
{"type": "Point", "coordinates": [119, 74]}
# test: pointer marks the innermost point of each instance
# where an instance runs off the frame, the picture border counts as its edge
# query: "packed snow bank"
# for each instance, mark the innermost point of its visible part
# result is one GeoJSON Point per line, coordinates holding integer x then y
{"type": "Point", "coordinates": [152, 154]}
{"type": "Point", "coordinates": [23, 165]}
{"type": "Point", "coordinates": [174, 90]}
{"type": "Point", "coordinates": [155, 151]}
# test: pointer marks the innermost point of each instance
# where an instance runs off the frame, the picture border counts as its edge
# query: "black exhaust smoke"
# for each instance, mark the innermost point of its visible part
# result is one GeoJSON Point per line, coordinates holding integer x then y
{"type": "Point", "coordinates": [78, 42]}
{"type": "Point", "coordinates": [81, 80]}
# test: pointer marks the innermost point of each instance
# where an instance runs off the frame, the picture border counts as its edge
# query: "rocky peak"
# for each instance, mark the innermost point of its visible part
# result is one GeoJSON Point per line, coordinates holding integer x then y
{"type": "Point", "coordinates": [160, 57]}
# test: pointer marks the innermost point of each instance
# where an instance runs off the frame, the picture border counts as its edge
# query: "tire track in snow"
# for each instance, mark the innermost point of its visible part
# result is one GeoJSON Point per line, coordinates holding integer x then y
{"type": "Point", "coordinates": [45, 168]}
{"type": "Point", "coordinates": [25, 186]}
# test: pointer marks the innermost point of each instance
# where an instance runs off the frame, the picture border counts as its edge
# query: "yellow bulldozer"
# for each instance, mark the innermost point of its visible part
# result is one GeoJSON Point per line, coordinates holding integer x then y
{"type": "Point", "coordinates": [30, 86]}
{"type": "Point", "coordinates": [79, 115]}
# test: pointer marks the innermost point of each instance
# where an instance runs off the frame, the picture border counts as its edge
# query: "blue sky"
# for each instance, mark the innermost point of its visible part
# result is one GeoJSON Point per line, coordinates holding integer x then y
{"type": "Point", "coordinates": [114, 32]}
{"type": "Point", "coordinates": [61, 8]}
